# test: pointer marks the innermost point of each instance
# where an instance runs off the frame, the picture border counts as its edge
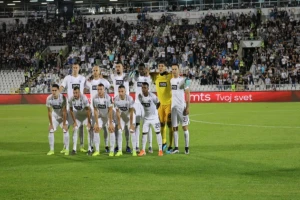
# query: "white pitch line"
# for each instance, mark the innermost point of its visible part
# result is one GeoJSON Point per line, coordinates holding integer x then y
{"type": "Point", "coordinates": [247, 125]}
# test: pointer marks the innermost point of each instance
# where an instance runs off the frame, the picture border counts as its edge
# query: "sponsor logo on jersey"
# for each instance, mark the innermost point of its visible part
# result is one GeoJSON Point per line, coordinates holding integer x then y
{"type": "Point", "coordinates": [78, 107]}
{"type": "Point", "coordinates": [119, 82]}
{"type": "Point", "coordinates": [75, 85]}
{"type": "Point", "coordinates": [162, 84]}
{"type": "Point", "coordinates": [174, 87]}
{"type": "Point", "coordinates": [123, 108]}
{"type": "Point", "coordinates": [146, 104]}
{"type": "Point", "coordinates": [56, 106]}
{"type": "Point", "coordinates": [101, 106]}
{"type": "Point", "coordinates": [94, 87]}
{"type": "Point", "coordinates": [139, 84]}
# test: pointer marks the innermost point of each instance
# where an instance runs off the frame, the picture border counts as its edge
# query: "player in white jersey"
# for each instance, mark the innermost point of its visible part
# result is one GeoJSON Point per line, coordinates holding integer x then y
{"type": "Point", "coordinates": [138, 78]}
{"type": "Point", "coordinates": [69, 82]}
{"type": "Point", "coordinates": [180, 107]}
{"type": "Point", "coordinates": [150, 104]}
{"type": "Point", "coordinates": [57, 115]}
{"type": "Point", "coordinates": [80, 114]}
{"type": "Point", "coordinates": [93, 85]}
{"type": "Point", "coordinates": [125, 116]}
{"type": "Point", "coordinates": [119, 79]}
{"type": "Point", "coordinates": [103, 113]}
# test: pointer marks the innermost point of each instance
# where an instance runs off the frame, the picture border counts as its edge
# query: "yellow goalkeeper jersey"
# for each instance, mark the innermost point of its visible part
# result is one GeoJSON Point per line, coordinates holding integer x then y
{"type": "Point", "coordinates": [163, 88]}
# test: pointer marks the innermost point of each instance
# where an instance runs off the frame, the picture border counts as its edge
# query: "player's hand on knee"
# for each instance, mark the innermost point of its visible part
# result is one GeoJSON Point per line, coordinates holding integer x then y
{"type": "Point", "coordinates": [131, 130]}
{"type": "Point", "coordinates": [111, 128]}
{"type": "Point", "coordinates": [75, 127]}
{"type": "Point", "coordinates": [88, 125]}
{"type": "Point", "coordinates": [51, 127]}
{"type": "Point", "coordinates": [65, 127]}
{"type": "Point", "coordinates": [119, 127]}
{"type": "Point", "coordinates": [96, 128]}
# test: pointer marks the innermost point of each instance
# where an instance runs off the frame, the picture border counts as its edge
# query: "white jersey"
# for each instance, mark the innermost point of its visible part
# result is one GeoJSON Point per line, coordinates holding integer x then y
{"type": "Point", "coordinates": [138, 85]}
{"type": "Point", "coordinates": [70, 82]}
{"type": "Point", "coordinates": [56, 105]}
{"type": "Point", "coordinates": [117, 81]}
{"type": "Point", "coordinates": [149, 104]}
{"type": "Point", "coordinates": [123, 104]}
{"type": "Point", "coordinates": [92, 85]}
{"type": "Point", "coordinates": [79, 104]}
{"type": "Point", "coordinates": [102, 104]}
{"type": "Point", "coordinates": [178, 99]}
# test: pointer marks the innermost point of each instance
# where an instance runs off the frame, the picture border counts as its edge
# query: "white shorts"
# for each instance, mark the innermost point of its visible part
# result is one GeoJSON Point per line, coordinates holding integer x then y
{"type": "Point", "coordinates": [57, 121]}
{"type": "Point", "coordinates": [177, 117]}
{"type": "Point", "coordinates": [125, 121]}
{"type": "Point", "coordinates": [80, 119]}
{"type": "Point", "coordinates": [139, 112]}
{"type": "Point", "coordinates": [151, 122]}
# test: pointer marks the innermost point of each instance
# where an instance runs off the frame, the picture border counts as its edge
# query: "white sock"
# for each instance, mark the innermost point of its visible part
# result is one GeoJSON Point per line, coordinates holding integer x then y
{"type": "Point", "coordinates": [187, 138]}
{"type": "Point", "coordinates": [150, 137]}
{"type": "Point", "coordinates": [137, 136]}
{"type": "Point", "coordinates": [127, 136]}
{"type": "Point", "coordinates": [66, 140]}
{"type": "Point", "coordinates": [133, 141]}
{"type": "Point", "coordinates": [112, 141]}
{"type": "Point", "coordinates": [51, 141]}
{"type": "Point", "coordinates": [75, 136]}
{"type": "Point", "coordinates": [89, 141]}
{"type": "Point", "coordinates": [105, 136]}
{"type": "Point", "coordinates": [176, 138]}
{"type": "Point", "coordinates": [97, 141]}
{"type": "Point", "coordinates": [159, 141]}
{"type": "Point", "coordinates": [81, 136]}
{"type": "Point", "coordinates": [144, 141]}
{"type": "Point", "coordinates": [120, 139]}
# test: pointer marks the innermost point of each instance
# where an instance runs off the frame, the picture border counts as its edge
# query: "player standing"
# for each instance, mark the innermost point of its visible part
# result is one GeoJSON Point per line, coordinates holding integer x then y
{"type": "Point", "coordinates": [139, 78]}
{"type": "Point", "coordinates": [80, 114]}
{"type": "Point", "coordinates": [57, 115]}
{"type": "Point", "coordinates": [125, 116]}
{"type": "Point", "coordinates": [163, 89]}
{"type": "Point", "coordinates": [150, 102]}
{"type": "Point", "coordinates": [119, 79]}
{"type": "Point", "coordinates": [69, 82]}
{"type": "Point", "coordinates": [103, 113]}
{"type": "Point", "coordinates": [93, 85]}
{"type": "Point", "coordinates": [180, 107]}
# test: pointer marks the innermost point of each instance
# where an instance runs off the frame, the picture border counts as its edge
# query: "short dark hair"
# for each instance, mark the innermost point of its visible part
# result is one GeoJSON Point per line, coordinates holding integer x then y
{"type": "Point", "coordinates": [145, 83]}
{"type": "Point", "coordinates": [175, 64]}
{"type": "Point", "coordinates": [142, 65]}
{"type": "Point", "coordinates": [121, 86]}
{"type": "Point", "coordinates": [161, 61]}
{"type": "Point", "coordinates": [55, 86]}
{"type": "Point", "coordinates": [101, 85]}
{"type": "Point", "coordinates": [76, 88]}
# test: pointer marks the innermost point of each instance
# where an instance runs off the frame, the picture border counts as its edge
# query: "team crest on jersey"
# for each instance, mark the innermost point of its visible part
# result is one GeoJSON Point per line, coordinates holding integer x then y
{"type": "Point", "coordinates": [162, 84]}
{"type": "Point", "coordinates": [56, 106]}
{"type": "Point", "coordinates": [139, 84]}
{"type": "Point", "coordinates": [94, 87]}
{"type": "Point", "coordinates": [101, 106]}
{"type": "Point", "coordinates": [75, 85]}
{"type": "Point", "coordinates": [119, 82]}
{"type": "Point", "coordinates": [146, 104]}
{"type": "Point", "coordinates": [174, 87]}
{"type": "Point", "coordinates": [123, 108]}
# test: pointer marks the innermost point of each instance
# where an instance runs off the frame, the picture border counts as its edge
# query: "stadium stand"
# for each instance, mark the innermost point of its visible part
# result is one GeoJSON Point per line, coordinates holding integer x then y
{"type": "Point", "coordinates": [209, 52]}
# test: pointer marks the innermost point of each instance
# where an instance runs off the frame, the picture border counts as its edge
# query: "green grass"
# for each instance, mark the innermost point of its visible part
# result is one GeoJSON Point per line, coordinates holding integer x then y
{"type": "Point", "coordinates": [237, 151]}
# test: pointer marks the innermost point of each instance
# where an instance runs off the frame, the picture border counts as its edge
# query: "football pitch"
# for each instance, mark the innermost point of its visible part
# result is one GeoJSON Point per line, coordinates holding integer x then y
{"type": "Point", "coordinates": [237, 151]}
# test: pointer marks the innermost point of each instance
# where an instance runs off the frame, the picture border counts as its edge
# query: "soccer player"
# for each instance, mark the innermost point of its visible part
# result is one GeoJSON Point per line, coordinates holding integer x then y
{"type": "Point", "coordinates": [180, 107]}
{"type": "Point", "coordinates": [163, 89]}
{"type": "Point", "coordinates": [121, 79]}
{"type": "Point", "coordinates": [93, 85]}
{"type": "Point", "coordinates": [139, 78]}
{"type": "Point", "coordinates": [57, 115]}
{"type": "Point", "coordinates": [150, 104]}
{"type": "Point", "coordinates": [80, 113]}
{"type": "Point", "coordinates": [125, 116]}
{"type": "Point", "coordinates": [103, 113]}
{"type": "Point", "coordinates": [70, 82]}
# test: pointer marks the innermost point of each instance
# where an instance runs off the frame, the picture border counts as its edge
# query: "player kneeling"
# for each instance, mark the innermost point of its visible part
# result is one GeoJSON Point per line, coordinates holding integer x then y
{"type": "Point", "coordinates": [180, 107]}
{"type": "Point", "coordinates": [57, 114]}
{"type": "Point", "coordinates": [103, 110]}
{"type": "Point", "coordinates": [80, 114]}
{"type": "Point", "coordinates": [150, 104]}
{"type": "Point", "coordinates": [125, 116]}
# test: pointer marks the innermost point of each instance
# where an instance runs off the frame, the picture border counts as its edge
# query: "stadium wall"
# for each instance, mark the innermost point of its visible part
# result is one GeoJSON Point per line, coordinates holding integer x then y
{"type": "Point", "coordinates": [196, 97]}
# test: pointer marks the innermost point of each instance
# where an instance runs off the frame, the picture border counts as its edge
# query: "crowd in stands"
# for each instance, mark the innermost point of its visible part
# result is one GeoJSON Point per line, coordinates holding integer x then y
{"type": "Point", "coordinates": [207, 51]}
